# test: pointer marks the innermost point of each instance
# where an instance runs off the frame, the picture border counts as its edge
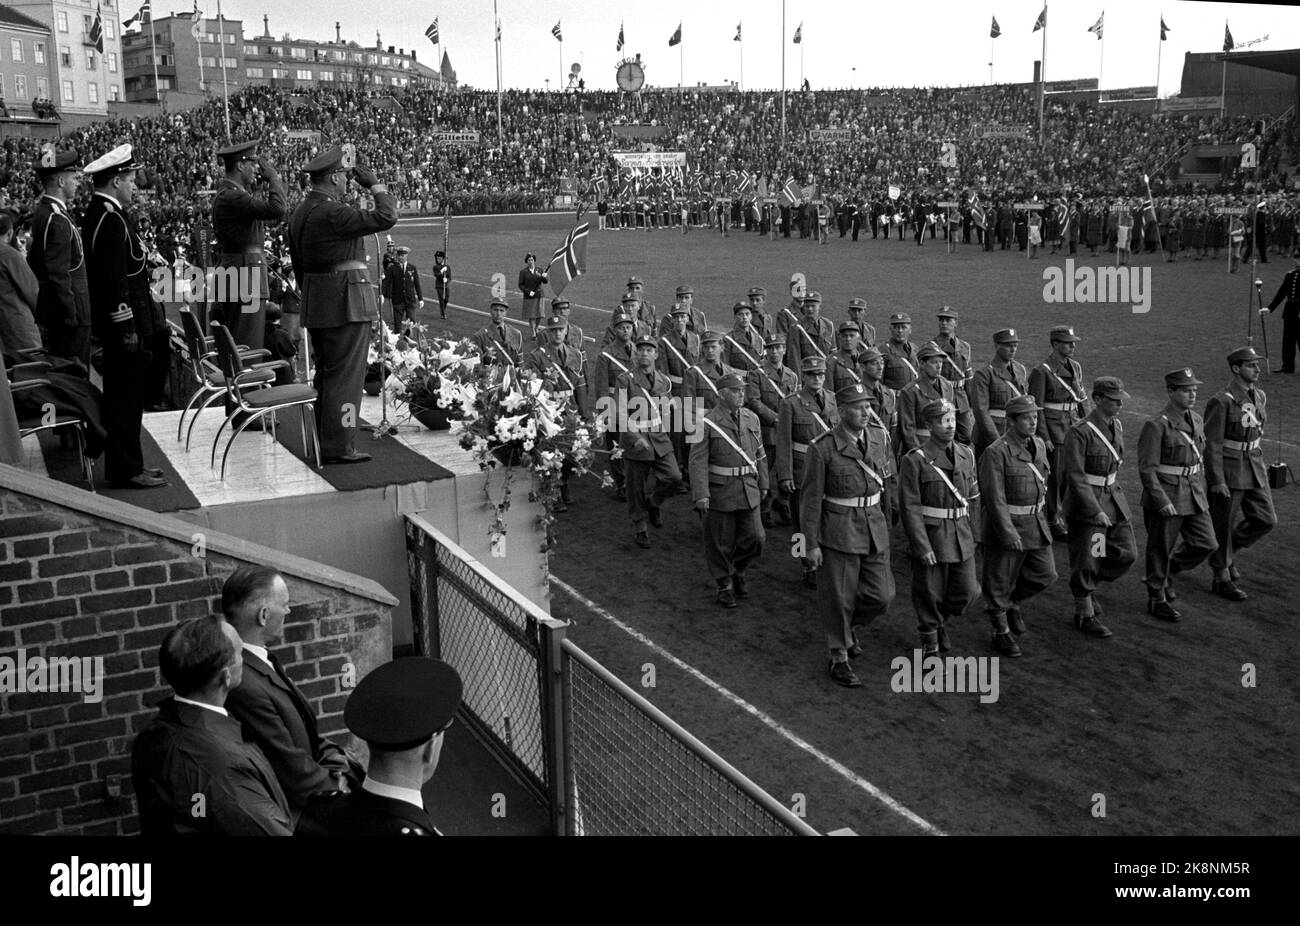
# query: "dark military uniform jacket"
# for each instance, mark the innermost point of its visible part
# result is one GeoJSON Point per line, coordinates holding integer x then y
{"type": "Point", "coordinates": [561, 367]}
{"type": "Point", "coordinates": [1171, 452]}
{"type": "Point", "coordinates": [738, 343]}
{"type": "Point", "coordinates": [840, 496]}
{"type": "Point", "coordinates": [843, 369]}
{"type": "Point", "coordinates": [238, 220]}
{"type": "Point", "coordinates": [765, 390]}
{"type": "Point", "coordinates": [1288, 292]}
{"type": "Point", "coordinates": [491, 344]}
{"type": "Point", "coordinates": [937, 497]}
{"type": "Point", "coordinates": [789, 315]}
{"type": "Point", "coordinates": [695, 322]}
{"type": "Point", "coordinates": [1234, 423]}
{"type": "Point", "coordinates": [883, 424]}
{"type": "Point", "coordinates": [868, 332]}
{"type": "Point", "coordinates": [957, 368]}
{"type": "Point", "coordinates": [808, 340]}
{"type": "Point", "coordinates": [1057, 387]}
{"type": "Point", "coordinates": [58, 259]}
{"type": "Point", "coordinates": [362, 813]}
{"type": "Point", "coordinates": [990, 389]}
{"type": "Point", "coordinates": [644, 417]}
{"type": "Point", "coordinates": [573, 337]}
{"type": "Point", "coordinates": [799, 423]}
{"type": "Point", "coordinates": [1013, 491]}
{"type": "Point", "coordinates": [701, 381]}
{"type": "Point", "coordinates": [117, 268]}
{"type": "Point", "coordinates": [327, 243]}
{"type": "Point", "coordinates": [613, 361]}
{"type": "Point", "coordinates": [728, 464]}
{"type": "Point", "coordinates": [912, 432]}
{"type": "Point", "coordinates": [402, 284]}
{"type": "Point", "coordinates": [901, 365]}
{"type": "Point", "coordinates": [1091, 474]}
{"type": "Point", "coordinates": [676, 355]}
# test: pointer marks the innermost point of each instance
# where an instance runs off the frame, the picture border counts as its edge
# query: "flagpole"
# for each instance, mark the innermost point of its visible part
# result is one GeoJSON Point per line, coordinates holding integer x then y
{"type": "Point", "coordinates": [991, 41]}
{"type": "Point", "coordinates": [681, 63]}
{"type": "Point", "coordinates": [1042, 79]}
{"type": "Point", "coordinates": [741, 32]}
{"type": "Point", "coordinates": [560, 85]}
{"type": "Point", "coordinates": [1101, 55]}
{"type": "Point", "coordinates": [782, 73]}
{"type": "Point", "coordinates": [496, 23]}
{"type": "Point", "coordinates": [198, 41]}
{"type": "Point", "coordinates": [1160, 47]}
{"type": "Point", "coordinates": [153, 53]}
{"type": "Point", "coordinates": [225, 87]}
{"type": "Point", "coordinates": [1223, 79]}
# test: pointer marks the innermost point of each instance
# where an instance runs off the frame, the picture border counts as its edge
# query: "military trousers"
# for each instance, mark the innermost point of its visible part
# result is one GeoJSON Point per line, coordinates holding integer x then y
{"type": "Point", "coordinates": [1013, 576]}
{"type": "Point", "coordinates": [732, 541]}
{"type": "Point", "coordinates": [1116, 546]}
{"type": "Point", "coordinates": [127, 385]}
{"type": "Point", "coordinates": [1257, 518]}
{"type": "Point", "coordinates": [853, 589]}
{"type": "Point", "coordinates": [942, 591]}
{"type": "Point", "coordinates": [1175, 545]}
{"type": "Point", "coordinates": [1055, 485]}
{"type": "Point", "coordinates": [649, 484]}
{"type": "Point", "coordinates": [340, 357]}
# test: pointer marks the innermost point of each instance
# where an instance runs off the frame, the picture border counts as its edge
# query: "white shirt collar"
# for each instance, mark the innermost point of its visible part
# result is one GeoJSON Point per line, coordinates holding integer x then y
{"type": "Point", "coordinates": [380, 789]}
{"type": "Point", "coordinates": [258, 651]}
{"type": "Point", "coordinates": [211, 707]}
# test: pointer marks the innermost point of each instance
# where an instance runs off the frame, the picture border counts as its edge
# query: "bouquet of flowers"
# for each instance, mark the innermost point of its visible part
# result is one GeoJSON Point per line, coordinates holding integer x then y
{"type": "Point", "coordinates": [414, 365]}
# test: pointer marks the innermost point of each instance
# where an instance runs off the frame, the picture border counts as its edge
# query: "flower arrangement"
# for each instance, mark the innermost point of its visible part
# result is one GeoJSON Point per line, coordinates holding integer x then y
{"type": "Point", "coordinates": [414, 368]}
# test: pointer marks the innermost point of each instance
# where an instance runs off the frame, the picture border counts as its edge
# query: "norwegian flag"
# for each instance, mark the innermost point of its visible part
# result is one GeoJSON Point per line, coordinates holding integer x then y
{"type": "Point", "coordinates": [745, 184]}
{"type": "Point", "coordinates": [570, 258]}
{"type": "Point", "coordinates": [790, 192]}
{"type": "Point", "coordinates": [602, 187]}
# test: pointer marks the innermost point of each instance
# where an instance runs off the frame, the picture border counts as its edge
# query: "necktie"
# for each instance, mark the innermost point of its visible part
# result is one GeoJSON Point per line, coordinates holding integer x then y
{"type": "Point", "coordinates": [862, 446]}
{"type": "Point", "coordinates": [951, 458]}
{"type": "Point", "coordinates": [501, 329]}
{"type": "Point", "coordinates": [304, 709]}
{"type": "Point", "coordinates": [1187, 416]}
{"type": "Point", "coordinates": [821, 401]}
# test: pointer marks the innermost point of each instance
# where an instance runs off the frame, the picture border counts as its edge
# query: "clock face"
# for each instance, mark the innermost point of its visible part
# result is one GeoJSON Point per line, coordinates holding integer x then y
{"type": "Point", "coordinates": [630, 76]}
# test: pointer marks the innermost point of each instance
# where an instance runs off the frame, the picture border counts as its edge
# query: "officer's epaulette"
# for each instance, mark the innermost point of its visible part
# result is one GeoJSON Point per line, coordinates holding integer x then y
{"type": "Point", "coordinates": [109, 206]}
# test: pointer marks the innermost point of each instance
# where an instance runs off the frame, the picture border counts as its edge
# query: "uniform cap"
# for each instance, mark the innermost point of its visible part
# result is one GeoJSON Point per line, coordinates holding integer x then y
{"type": "Point", "coordinates": [403, 703]}
{"type": "Point", "coordinates": [635, 281]}
{"type": "Point", "coordinates": [741, 307]}
{"type": "Point", "coordinates": [757, 291]}
{"type": "Point", "coordinates": [499, 302]}
{"type": "Point", "coordinates": [325, 162]}
{"type": "Point", "coordinates": [679, 309]}
{"type": "Point", "coordinates": [557, 304]}
{"type": "Point", "coordinates": [730, 381]}
{"type": "Point", "coordinates": [710, 336]}
{"type": "Point", "coordinates": [937, 409]}
{"type": "Point", "coordinates": [946, 312]}
{"type": "Point", "coordinates": [1020, 405]}
{"type": "Point", "coordinates": [403, 249]}
{"type": "Point", "coordinates": [117, 161]}
{"type": "Point", "coordinates": [850, 326]}
{"type": "Point", "coordinates": [1183, 377]}
{"type": "Point", "coordinates": [1109, 387]}
{"type": "Point", "coordinates": [556, 322]}
{"type": "Point", "coordinates": [1243, 355]}
{"type": "Point", "coordinates": [813, 365]}
{"type": "Point", "coordinates": [439, 253]}
{"type": "Point", "coordinates": [871, 354]}
{"type": "Point", "coordinates": [682, 290]}
{"type": "Point", "coordinates": [900, 318]}
{"type": "Point", "coordinates": [857, 303]}
{"type": "Point", "coordinates": [239, 150]}
{"type": "Point", "coordinates": [1063, 333]}
{"type": "Point", "coordinates": [812, 297]}
{"type": "Point", "coordinates": [52, 161]}
{"type": "Point", "coordinates": [853, 392]}
{"type": "Point", "coordinates": [646, 340]}
{"type": "Point", "coordinates": [620, 318]}
{"type": "Point", "coordinates": [1006, 336]}
{"type": "Point", "coordinates": [630, 299]}
{"type": "Point", "coordinates": [928, 351]}
{"type": "Point", "coordinates": [776, 340]}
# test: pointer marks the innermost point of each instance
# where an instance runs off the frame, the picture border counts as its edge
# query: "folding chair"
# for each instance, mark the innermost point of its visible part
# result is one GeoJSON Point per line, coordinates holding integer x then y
{"type": "Point", "coordinates": [260, 400]}
{"type": "Point", "coordinates": [34, 425]}
{"type": "Point", "coordinates": [212, 382]}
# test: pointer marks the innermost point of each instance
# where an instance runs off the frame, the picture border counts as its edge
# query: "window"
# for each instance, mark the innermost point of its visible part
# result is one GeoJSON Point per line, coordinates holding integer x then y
{"type": "Point", "coordinates": [63, 21]}
{"type": "Point", "coordinates": [90, 59]}
{"type": "Point", "coordinates": [16, 49]}
{"type": "Point", "coordinates": [345, 76]}
{"type": "Point", "coordinates": [92, 90]}
{"type": "Point", "coordinates": [387, 60]}
{"type": "Point", "coordinates": [42, 88]}
{"type": "Point", "coordinates": [114, 93]}
{"type": "Point", "coordinates": [304, 73]}
{"type": "Point", "coordinates": [325, 75]}
{"type": "Point", "coordinates": [111, 59]}
{"type": "Point", "coordinates": [20, 86]}
{"type": "Point", "coordinates": [253, 72]}
{"type": "Point", "coordinates": [279, 73]}
{"type": "Point", "coordinates": [250, 50]}
{"type": "Point", "coordinates": [164, 83]}
{"type": "Point", "coordinates": [298, 53]}
{"type": "Point", "coordinates": [68, 95]}
{"type": "Point", "coordinates": [110, 30]}
{"type": "Point", "coordinates": [65, 56]}
{"type": "Point", "coordinates": [38, 52]}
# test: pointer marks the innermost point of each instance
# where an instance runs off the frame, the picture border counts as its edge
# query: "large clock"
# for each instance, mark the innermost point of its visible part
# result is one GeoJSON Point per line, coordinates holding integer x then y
{"type": "Point", "coordinates": [630, 76]}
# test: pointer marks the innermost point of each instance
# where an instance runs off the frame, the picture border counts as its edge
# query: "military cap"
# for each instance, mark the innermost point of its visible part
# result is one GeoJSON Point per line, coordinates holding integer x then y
{"type": "Point", "coordinates": [556, 322]}
{"type": "Point", "coordinates": [928, 351]}
{"type": "Point", "coordinates": [679, 309]}
{"type": "Point", "coordinates": [1110, 387]}
{"type": "Point", "coordinates": [900, 318]}
{"type": "Point", "coordinates": [557, 304]}
{"type": "Point", "coordinates": [647, 340]}
{"type": "Point", "coordinates": [857, 303]}
{"type": "Point", "coordinates": [741, 307]}
{"type": "Point", "coordinates": [1063, 333]}
{"type": "Point", "coordinates": [1006, 336]}
{"type": "Point", "coordinates": [871, 354]}
{"type": "Point", "coordinates": [776, 340]}
{"type": "Point", "coordinates": [635, 281]}
{"type": "Point", "coordinates": [391, 243]}
{"type": "Point", "coordinates": [499, 302]}
{"type": "Point", "coordinates": [117, 161]}
{"type": "Point", "coordinates": [403, 703]}
{"type": "Point", "coordinates": [685, 290]}
{"type": "Point", "coordinates": [439, 253]}
{"type": "Point", "coordinates": [620, 318]}
{"type": "Point", "coordinates": [630, 297]}
{"type": "Point", "coordinates": [730, 381]}
{"type": "Point", "coordinates": [403, 249]}
{"type": "Point", "coordinates": [325, 162]}
{"type": "Point", "coordinates": [51, 161]}
{"type": "Point", "coordinates": [1243, 355]}
{"type": "Point", "coordinates": [937, 409]}
{"type": "Point", "coordinates": [237, 152]}
{"type": "Point", "coordinates": [710, 336]}
{"type": "Point", "coordinates": [853, 392]}
{"type": "Point", "coordinates": [1020, 405]}
{"type": "Point", "coordinates": [757, 291]}
{"type": "Point", "coordinates": [812, 297]}
{"type": "Point", "coordinates": [812, 365]}
{"type": "Point", "coordinates": [1177, 378]}
{"type": "Point", "coordinates": [946, 312]}
{"type": "Point", "coordinates": [850, 326]}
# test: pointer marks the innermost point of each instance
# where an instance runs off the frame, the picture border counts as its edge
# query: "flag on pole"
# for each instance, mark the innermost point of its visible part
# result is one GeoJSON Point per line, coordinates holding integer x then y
{"type": "Point", "coordinates": [139, 16]}
{"type": "Point", "coordinates": [619, 46]}
{"type": "Point", "coordinates": [97, 32]}
{"type": "Point", "coordinates": [570, 258]}
{"type": "Point", "coordinates": [1164, 30]}
{"type": "Point", "coordinates": [1041, 21]}
{"type": "Point", "coordinates": [790, 192]}
{"type": "Point", "coordinates": [995, 30]}
{"type": "Point", "coordinates": [737, 38]}
{"type": "Point", "coordinates": [555, 31]}
{"type": "Point", "coordinates": [676, 37]}
{"type": "Point", "coordinates": [197, 19]}
{"type": "Point", "coordinates": [432, 32]}
{"type": "Point", "coordinates": [1097, 26]}
{"type": "Point", "coordinates": [1228, 43]}
{"type": "Point", "coordinates": [798, 34]}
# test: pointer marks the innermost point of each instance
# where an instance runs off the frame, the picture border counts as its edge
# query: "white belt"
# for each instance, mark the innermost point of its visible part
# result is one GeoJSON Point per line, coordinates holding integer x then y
{"type": "Point", "coordinates": [731, 470]}
{"type": "Point", "coordinates": [1059, 406]}
{"type": "Point", "coordinates": [1241, 445]}
{"type": "Point", "coordinates": [1178, 470]}
{"type": "Point", "coordinates": [944, 514]}
{"type": "Point", "coordinates": [998, 412]}
{"type": "Point", "coordinates": [1025, 509]}
{"type": "Point", "coordinates": [1100, 481]}
{"type": "Point", "coordinates": [860, 502]}
{"type": "Point", "coordinates": [799, 448]}
{"type": "Point", "coordinates": [675, 380]}
{"type": "Point", "coordinates": [562, 395]}
{"type": "Point", "coordinates": [923, 433]}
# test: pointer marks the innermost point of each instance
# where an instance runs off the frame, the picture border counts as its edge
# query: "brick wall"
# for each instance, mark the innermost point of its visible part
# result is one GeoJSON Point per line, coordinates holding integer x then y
{"type": "Point", "coordinates": [81, 575]}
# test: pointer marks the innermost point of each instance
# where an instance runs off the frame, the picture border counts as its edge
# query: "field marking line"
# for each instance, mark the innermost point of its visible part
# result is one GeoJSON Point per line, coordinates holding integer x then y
{"type": "Point", "coordinates": [838, 767]}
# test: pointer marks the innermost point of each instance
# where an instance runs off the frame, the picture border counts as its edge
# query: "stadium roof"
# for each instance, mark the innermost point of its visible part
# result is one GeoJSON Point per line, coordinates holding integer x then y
{"type": "Point", "coordinates": [14, 18]}
{"type": "Point", "coordinates": [1284, 62]}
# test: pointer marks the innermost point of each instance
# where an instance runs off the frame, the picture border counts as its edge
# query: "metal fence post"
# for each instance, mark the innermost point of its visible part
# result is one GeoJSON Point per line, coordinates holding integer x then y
{"type": "Point", "coordinates": [557, 735]}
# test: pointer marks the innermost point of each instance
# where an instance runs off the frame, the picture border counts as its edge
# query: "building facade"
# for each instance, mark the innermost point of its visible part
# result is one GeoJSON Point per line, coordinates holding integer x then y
{"type": "Point", "coordinates": [26, 69]}
{"type": "Point", "coordinates": [83, 81]}
{"type": "Point", "coordinates": [189, 59]}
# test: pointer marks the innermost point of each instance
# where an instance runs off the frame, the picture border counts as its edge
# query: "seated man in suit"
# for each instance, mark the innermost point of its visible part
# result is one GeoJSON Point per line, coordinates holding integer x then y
{"type": "Point", "coordinates": [192, 771]}
{"type": "Point", "coordinates": [275, 715]}
{"type": "Point", "coordinates": [401, 709]}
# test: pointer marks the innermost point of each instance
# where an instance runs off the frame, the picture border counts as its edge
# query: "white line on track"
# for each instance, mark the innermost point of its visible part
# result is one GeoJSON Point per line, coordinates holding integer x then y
{"type": "Point", "coordinates": [838, 767]}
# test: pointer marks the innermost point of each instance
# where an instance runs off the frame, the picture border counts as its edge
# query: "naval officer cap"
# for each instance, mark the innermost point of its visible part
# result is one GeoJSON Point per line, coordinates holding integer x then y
{"type": "Point", "coordinates": [1063, 333]}
{"type": "Point", "coordinates": [402, 249]}
{"type": "Point", "coordinates": [404, 703]}
{"type": "Point", "coordinates": [1021, 405]}
{"type": "Point", "coordinates": [117, 161]}
{"type": "Point", "coordinates": [937, 409]}
{"type": "Point", "coordinates": [853, 392]}
{"type": "Point", "coordinates": [1176, 379]}
{"type": "Point", "coordinates": [1109, 387]}
{"type": "Point", "coordinates": [51, 161]}
{"type": "Point", "coordinates": [237, 152]}
{"type": "Point", "coordinates": [325, 163]}
{"type": "Point", "coordinates": [812, 365]}
{"type": "Point", "coordinates": [1243, 355]}
{"type": "Point", "coordinates": [730, 381]}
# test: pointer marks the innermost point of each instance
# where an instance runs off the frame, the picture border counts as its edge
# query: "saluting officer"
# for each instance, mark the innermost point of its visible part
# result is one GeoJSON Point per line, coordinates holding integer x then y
{"type": "Point", "coordinates": [561, 367]}
{"type": "Point", "coordinates": [58, 259]}
{"type": "Point", "coordinates": [803, 417]}
{"type": "Point", "coordinates": [937, 488]}
{"type": "Point", "coordinates": [813, 336]}
{"type": "Point", "coordinates": [1170, 451]}
{"type": "Point", "coordinates": [1056, 385]}
{"type": "Point", "coordinates": [929, 387]}
{"type": "Point", "coordinates": [846, 532]}
{"type": "Point", "coordinates": [652, 471]}
{"type": "Point", "coordinates": [1234, 469]}
{"type": "Point", "coordinates": [956, 369]}
{"type": "Point", "coordinates": [993, 386]}
{"type": "Point", "coordinates": [1018, 560]}
{"type": "Point", "coordinates": [728, 481]}
{"type": "Point", "coordinates": [402, 710]}
{"type": "Point", "coordinates": [900, 353]}
{"type": "Point", "coordinates": [616, 359]}
{"type": "Point", "coordinates": [765, 389]}
{"type": "Point", "coordinates": [1094, 505]}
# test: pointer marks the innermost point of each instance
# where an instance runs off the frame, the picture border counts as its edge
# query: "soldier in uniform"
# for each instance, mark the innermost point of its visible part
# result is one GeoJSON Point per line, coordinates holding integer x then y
{"type": "Point", "coordinates": [813, 336]}
{"type": "Point", "coordinates": [679, 350]}
{"type": "Point", "coordinates": [900, 353]}
{"type": "Point", "coordinates": [792, 311]}
{"type": "Point", "coordinates": [844, 364]}
{"type": "Point", "coordinates": [1094, 503]}
{"type": "Point", "coordinates": [238, 222]}
{"type": "Point", "coordinates": [913, 430]}
{"type": "Point", "coordinates": [743, 344]}
{"type": "Point", "coordinates": [1234, 469]}
{"type": "Point", "coordinates": [937, 485]}
{"type": "Point", "coordinates": [498, 342]}
{"type": "Point", "coordinates": [803, 417]}
{"type": "Point", "coordinates": [1056, 385]}
{"type": "Point", "coordinates": [728, 481]}
{"type": "Point", "coordinates": [442, 281]}
{"type": "Point", "coordinates": [327, 245]}
{"type": "Point", "coordinates": [58, 259]}
{"type": "Point", "coordinates": [402, 289]}
{"type": "Point", "coordinates": [1289, 292]}
{"type": "Point", "coordinates": [125, 318]}
{"type": "Point", "coordinates": [956, 369]}
{"type": "Point", "coordinates": [993, 386]}
{"type": "Point", "coordinates": [616, 359]}
{"type": "Point", "coordinates": [761, 320]}
{"type": "Point", "coordinates": [846, 532]}
{"type": "Point", "coordinates": [630, 307]}
{"type": "Point", "coordinates": [695, 320]}
{"type": "Point", "coordinates": [858, 315]}
{"type": "Point", "coordinates": [652, 472]}
{"type": "Point", "coordinates": [1174, 505]}
{"type": "Point", "coordinates": [642, 311]}
{"type": "Point", "coordinates": [402, 710]}
{"type": "Point", "coordinates": [560, 365]}
{"type": "Point", "coordinates": [573, 336]}
{"type": "Point", "coordinates": [765, 389]}
{"type": "Point", "coordinates": [1017, 543]}
{"type": "Point", "coordinates": [701, 380]}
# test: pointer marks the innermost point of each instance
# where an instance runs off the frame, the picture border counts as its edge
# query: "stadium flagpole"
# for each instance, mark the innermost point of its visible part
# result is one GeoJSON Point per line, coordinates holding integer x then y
{"type": "Point", "coordinates": [500, 134]}
{"type": "Point", "coordinates": [225, 86]}
{"type": "Point", "coordinates": [1042, 79]}
{"type": "Point", "coordinates": [1160, 47]}
{"type": "Point", "coordinates": [741, 34]}
{"type": "Point", "coordinates": [153, 53]}
{"type": "Point", "coordinates": [782, 73]}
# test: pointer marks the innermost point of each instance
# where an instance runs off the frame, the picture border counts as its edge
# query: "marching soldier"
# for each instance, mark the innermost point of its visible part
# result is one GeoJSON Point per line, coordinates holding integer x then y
{"type": "Point", "coordinates": [630, 307]}
{"type": "Point", "coordinates": [701, 380]}
{"type": "Point", "coordinates": [792, 311]}
{"type": "Point", "coordinates": [501, 343]}
{"type": "Point", "coordinates": [728, 481]}
{"type": "Point", "coordinates": [803, 417]}
{"type": "Point", "coordinates": [58, 259]}
{"type": "Point", "coordinates": [561, 367]}
{"type": "Point", "coordinates": [844, 364]}
{"type": "Point", "coordinates": [616, 359]}
{"type": "Point", "coordinates": [572, 333]}
{"type": "Point", "coordinates": [937, 485]}
{"type": "Point", "coordinates": [993, 386]}
{"type": "Point", "coordinates": [929, 387]}
{"type": "Point", "coordinates": [846, 532]}
{"type": "Point", "coordinates": [1094, 505]}
{"type": "Point", "coordinates": [1056, 385]}
{"type": "Point", "coordinates": [679, 350]}
{"type": "Point", "coordinates": [956, 369]}
{"type": "Point", "coordinates": [744, 343]}
{"type": "Point", "coordinates": [764, 322]}
{"type": "Point", "coordinates": [1174, 505]}
{"type": "Point", "coordinates": [765, 389]}
{"type": "Point", "coordinates": [1018, 560]}
{"type": "Point", "coordinates": [858, 315]}
{"type": "Point", "coordinates": [1234, 468]}
{"type": "Point", "coordinates": [813, 336]}
{"type": "Point", "coordinates": [643, 312]}
{"type": "Point", "coordinates": [695, 320]}
{"type": "Point", "coordinates": [652, 473]}
{"type": "Point", "coordinates": [882, 423]}
{"type": "Point", "coordinates": [900, 353]}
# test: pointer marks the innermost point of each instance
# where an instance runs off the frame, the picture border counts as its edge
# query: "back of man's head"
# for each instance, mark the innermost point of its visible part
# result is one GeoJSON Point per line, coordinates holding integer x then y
{"type": "Point", "coordinates": [7, 222]}
{"type": "Point", "coordinates": [194, 653]}
{"type": "Point", "coordinates": [243, 593]}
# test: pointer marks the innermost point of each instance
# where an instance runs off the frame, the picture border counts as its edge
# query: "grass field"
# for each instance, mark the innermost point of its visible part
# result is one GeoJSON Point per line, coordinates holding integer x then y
{"type": "Point", "coordinates": [1156, 719]}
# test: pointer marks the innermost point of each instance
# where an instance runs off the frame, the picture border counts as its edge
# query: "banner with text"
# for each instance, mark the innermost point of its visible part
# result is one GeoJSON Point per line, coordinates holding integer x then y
{"type": "Point", "coordinates": [1001, 131]}
{"type": "Point", "coordinates": [1184, 103]}
{"type": "Point", "coordinates": [1128, 93]}
{"type": "Point", "coordinates": [830, 135]}
{"type": "Point", "coordinates": [650, 159]}
{"type": "Point", "coordinates": [456, 139]}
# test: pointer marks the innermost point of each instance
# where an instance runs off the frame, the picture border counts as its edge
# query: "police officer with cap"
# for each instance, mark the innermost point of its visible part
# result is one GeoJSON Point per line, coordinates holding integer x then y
{"type": "Point", "coordinates": [58, 259]}
{"type": "Point", "coordinates": [327, 243]}
{"type": "Point", "coordinates": [402, 710]}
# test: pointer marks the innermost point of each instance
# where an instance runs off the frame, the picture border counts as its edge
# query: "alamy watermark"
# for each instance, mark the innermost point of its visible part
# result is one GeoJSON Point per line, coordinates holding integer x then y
{"type": "Point", "coordinates": [193, 284]}
{"type": "Point", "coordinates": [665, 414]}
{"type": "Point", "coordinates": [1114, 285]}
{"type": "Point", "coordinates": [23, 674]}
{"type": "Point", "coordinates": [917, 674]}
